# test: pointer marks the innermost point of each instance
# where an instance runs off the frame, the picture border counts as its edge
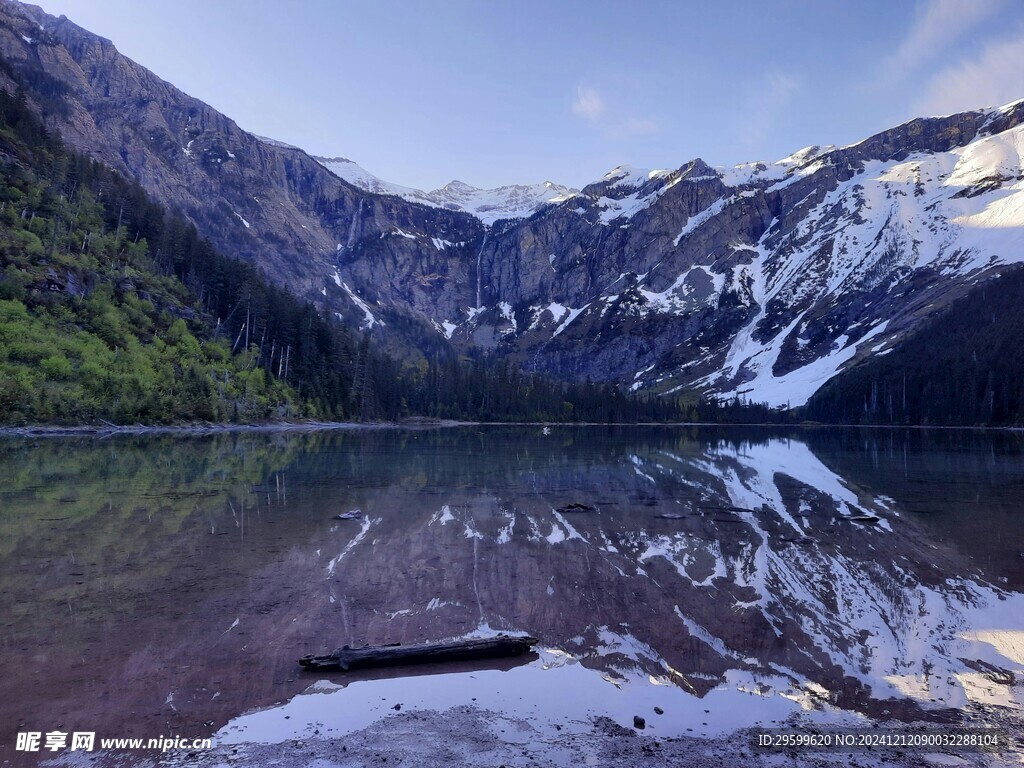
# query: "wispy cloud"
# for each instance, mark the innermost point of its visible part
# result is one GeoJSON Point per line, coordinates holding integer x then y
{"type": "Point", "coordinates": [938, 24]}
{"type": "Point", "coordinates": [592, 107]}
{"type": "Point", "coordinates": [588, 103]}
{"type": "Point", "coordinates": [764, 108]}
{"type": "Point", "coordinates": [994, 77]}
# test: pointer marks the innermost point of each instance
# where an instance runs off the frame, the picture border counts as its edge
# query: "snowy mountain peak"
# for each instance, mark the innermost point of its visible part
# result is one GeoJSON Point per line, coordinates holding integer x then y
{"type": "Point", "coordinates": [456, 187]}
{"type": "Point", "coordinates": [631, 176]}
{"type": "Point", "coordinates": [806, 154]}
{"type": "Point", "coordinates": [747, 173]}
{"type": "Point", "coordinates": [358, 176]}
{"type": "Point", "coordinates": [512, 201]}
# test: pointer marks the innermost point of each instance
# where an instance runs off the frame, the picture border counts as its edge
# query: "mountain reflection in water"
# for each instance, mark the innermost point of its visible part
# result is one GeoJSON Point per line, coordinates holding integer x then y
{"type": "Point", "coordinates": [154, 584]}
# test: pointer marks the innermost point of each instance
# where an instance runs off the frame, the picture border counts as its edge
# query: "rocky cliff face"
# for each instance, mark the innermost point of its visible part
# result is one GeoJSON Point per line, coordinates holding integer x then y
{"type": "Point", "coordinates": [762, 280]}
{"type": "Point", "coordinates": [269, 204]}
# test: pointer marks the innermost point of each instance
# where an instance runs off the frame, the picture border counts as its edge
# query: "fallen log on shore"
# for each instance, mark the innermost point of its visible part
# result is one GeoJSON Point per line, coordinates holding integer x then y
{"type": "Point", "coordinates": [576, 507]}
{"type": "Point", "coordinates": [373, 656]}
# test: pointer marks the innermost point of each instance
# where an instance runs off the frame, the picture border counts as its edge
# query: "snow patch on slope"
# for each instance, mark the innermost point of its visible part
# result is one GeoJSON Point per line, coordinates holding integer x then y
{"type": "Point", "coordinates": [955, 212]}
{"type": "Point", "coordinates": [700, 219]}
{"type": "Point", "coordinates": [571, 315]}
{"type": "Point", "coordinates": [370, 319]}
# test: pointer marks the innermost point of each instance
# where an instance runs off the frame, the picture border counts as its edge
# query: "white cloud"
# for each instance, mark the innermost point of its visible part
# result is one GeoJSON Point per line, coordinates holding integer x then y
{"type": "Point", "coordinates": [941, 23]}
{"type": "Point", "coordinates": [591, 106]}
{"type": "Point", "coordinates": [993, 78]}
{"type": "Point", "coordinates": [588, 103]}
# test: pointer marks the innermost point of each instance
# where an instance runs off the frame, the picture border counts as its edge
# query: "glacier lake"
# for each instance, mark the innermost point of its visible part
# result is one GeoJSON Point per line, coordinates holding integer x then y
{"type": "Point", "coordinates": [720, 580]}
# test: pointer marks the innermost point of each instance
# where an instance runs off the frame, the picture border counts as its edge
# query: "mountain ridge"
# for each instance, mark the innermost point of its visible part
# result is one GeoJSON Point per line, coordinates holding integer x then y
{"type": "Point", "coordinates": [763, 280]}
{"type": "Point", "coordinates": [509, 201]}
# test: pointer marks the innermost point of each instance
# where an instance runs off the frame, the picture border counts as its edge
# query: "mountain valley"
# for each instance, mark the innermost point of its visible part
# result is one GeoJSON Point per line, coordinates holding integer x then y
{"type": "Point", "coordinates": [761, 281]}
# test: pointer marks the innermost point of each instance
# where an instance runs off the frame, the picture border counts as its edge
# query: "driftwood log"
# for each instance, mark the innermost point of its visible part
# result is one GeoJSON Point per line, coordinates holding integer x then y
{"type": "Point", "coordinates": [373, 656]}
{"type": "Point", "coordinates": [576, 507]}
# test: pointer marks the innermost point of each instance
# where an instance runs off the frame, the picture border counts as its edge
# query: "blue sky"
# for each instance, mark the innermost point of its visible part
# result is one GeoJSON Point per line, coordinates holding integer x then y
{"type": "Point", "coordinates": [422, 92]}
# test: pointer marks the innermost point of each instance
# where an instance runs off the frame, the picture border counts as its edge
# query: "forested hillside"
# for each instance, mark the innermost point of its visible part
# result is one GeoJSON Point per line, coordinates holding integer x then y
{"type": "Point", "coordinates": [966, 367]}
{"type": "Point", "coordinates": [91, 327]}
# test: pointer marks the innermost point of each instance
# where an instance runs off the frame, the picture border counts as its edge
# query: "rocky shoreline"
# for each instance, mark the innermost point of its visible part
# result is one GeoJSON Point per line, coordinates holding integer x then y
{"type": "Point", "coordinates": [210, 428]}
{"type": "Point", "coordinates": [477, 738]}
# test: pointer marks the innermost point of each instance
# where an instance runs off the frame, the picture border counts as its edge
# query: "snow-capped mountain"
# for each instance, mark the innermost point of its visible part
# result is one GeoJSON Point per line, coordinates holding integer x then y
{"type": "Point", "coordinates": [849, 229]}
{"type": "Point", "coordinates": [763, 279]}
{"type": "Point", "coordinates": [514, 201]}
